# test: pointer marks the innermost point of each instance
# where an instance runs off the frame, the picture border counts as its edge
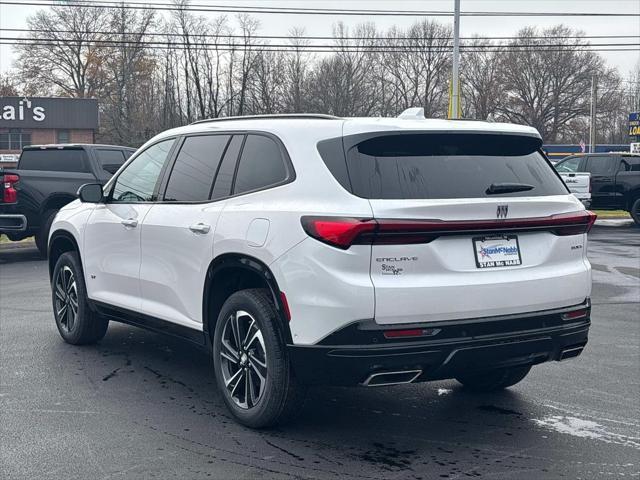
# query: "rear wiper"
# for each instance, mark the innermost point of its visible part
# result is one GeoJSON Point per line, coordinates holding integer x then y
{"type": "Point", "coordinates": [496, 188]}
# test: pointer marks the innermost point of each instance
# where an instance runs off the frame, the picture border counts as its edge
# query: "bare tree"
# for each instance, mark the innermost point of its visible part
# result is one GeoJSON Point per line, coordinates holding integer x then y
{"type": "Point", "coordinates": [481, 82]}
{"type": "Point", "coordinates": [62, 56]}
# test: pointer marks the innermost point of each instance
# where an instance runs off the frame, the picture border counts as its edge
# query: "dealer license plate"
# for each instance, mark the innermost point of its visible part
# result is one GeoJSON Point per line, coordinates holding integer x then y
{"type": "Point", "coordinates": [497, 251]}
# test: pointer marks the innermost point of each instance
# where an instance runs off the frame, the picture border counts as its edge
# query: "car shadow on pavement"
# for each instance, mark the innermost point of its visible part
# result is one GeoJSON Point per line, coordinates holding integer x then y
{"type": "Point", "coordinates": [19, 252]}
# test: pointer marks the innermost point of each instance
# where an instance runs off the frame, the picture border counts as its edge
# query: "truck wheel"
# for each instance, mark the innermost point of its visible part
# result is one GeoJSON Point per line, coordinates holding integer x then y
{"type": "Point", "coordinates": [493, 380]}
{"type": "Point", "coordinates": [42, 237]}
{"type": "Point", "coordinates": [76, 322]}
{"type": "Point", "coordinates": [251, 363]}
{"type": "Point", "coordinates": [635, 211]}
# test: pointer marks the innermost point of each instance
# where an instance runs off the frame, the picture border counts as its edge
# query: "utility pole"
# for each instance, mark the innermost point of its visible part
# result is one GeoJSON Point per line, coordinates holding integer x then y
{"type": "Point", "coordinates": [592, 126]}
{"type": "Point", "coordinates": [455, 81]}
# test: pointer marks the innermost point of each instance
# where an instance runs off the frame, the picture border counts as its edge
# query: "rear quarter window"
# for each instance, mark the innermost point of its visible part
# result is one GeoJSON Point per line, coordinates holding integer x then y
{"type": "Point", "coordinates": [441, 166]}
{"type": "Point", "coordinates": [54, 160]}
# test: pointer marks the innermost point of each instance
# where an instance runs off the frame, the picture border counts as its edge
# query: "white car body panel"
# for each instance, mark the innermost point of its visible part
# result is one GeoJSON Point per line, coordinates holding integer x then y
{"type": "Point", "coordinates": [160, 267]}
{"type": "Point", "coordinates": [112, 254]}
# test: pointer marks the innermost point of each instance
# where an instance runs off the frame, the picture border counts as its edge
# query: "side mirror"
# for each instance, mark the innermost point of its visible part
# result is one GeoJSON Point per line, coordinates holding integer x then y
{"type": "Point", "coordinates": [91, 193]}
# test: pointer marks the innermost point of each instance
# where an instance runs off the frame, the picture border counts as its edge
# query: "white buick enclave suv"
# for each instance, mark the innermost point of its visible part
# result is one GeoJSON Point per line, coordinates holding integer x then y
{"type": "Point", "coordinates": [310, 249]}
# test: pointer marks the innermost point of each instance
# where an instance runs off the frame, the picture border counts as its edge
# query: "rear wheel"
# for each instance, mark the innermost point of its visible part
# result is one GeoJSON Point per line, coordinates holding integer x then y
{"type": "Point", "coordinates": [251, 363]}
{"type": "Point", "coordinates": [635, 211]}
{"type": "Point", "coordinates": [42, 236]}
{"type": "Point", "coordinates": [76, 322]}
{"type": "Point", "coordinates": [493, 380]}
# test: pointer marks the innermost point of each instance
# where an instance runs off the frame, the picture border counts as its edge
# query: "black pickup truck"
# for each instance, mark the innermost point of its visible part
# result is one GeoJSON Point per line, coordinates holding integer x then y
{"type": "Point", "coordinates": [46, 179]}
{"type": "Point", "coordinates": [615, 179]}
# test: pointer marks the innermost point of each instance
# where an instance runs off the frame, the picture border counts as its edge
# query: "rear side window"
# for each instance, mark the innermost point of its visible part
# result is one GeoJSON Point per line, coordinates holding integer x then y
{"type": "Point", "coordinates": [192, 175]}
{"type": "Point", "coordinates": [261, 165]}
{"type": "Point", "coordinates": [224, 179]}
{"type": "Point", "coordinates": [54, 160]}
{"type": "Point", "coordinates": [425, 166]}
{"type": "Point", "coordinates": [110, 160]}
{"type": "Point", "coordinates": [600, 165]}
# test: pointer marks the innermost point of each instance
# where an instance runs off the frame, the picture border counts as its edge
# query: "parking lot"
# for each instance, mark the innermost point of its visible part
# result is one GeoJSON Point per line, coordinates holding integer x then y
{"type": "Point", "coordinates": [142, 405]}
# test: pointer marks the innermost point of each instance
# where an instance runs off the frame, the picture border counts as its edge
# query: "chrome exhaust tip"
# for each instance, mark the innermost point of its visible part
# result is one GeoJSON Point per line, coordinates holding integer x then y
{"type": "Point", "coordinates": [383, 379]}
{"type": "Point", "coordinates": [571, 352]}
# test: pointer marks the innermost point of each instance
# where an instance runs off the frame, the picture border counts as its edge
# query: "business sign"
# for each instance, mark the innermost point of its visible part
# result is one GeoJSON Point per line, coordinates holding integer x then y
{"type": "Point", "coordinates": [634, 126]}
{"type": "Point", "coordinates": [48, 112]}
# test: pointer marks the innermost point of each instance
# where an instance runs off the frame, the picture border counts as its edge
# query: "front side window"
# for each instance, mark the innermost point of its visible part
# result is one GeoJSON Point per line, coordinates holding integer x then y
{"type": "Point", "coordinates": [261, 165]}
{"type": "Point", "coordinates": [569, 165]}
{"type": "Point", "coordinates": [195, 167]}
{"type": "Point", "coordinates": [631, 164]}
{"type": "Point", "coordinates": [138, 180]}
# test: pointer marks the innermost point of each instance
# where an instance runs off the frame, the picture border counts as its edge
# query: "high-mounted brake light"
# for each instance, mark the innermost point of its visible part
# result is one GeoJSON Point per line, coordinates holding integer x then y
{"type": "Point", "coordinates": [10, 194]}
{"type": "Point", "coordinates": [342, 232]}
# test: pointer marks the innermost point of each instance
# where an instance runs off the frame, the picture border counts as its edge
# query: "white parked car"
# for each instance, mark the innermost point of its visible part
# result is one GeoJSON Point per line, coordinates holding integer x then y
{"type": "Point", "coordinates": [309, 249]}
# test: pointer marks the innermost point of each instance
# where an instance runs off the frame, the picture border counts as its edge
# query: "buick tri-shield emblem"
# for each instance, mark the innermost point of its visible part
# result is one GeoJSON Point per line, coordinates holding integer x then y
{"type": "Point", "coordinates": [502, 211]}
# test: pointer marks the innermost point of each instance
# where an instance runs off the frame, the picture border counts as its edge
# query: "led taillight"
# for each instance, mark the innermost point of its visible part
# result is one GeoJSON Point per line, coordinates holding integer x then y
{"type": "Point", "coordinates": [342, 232]}
{"type": "Point", "coordinates": [10, 194]}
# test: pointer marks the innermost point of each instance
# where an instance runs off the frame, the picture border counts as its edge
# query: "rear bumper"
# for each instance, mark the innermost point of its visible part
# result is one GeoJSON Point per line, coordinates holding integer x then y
{"type": "Point", "coordinates": [10, 223]}
{"type": "Point", "coordinates": [457, 347]}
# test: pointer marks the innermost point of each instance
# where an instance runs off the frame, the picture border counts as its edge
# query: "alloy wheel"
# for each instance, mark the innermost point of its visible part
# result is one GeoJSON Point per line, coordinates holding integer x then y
{"type": "Point", "coordinates": [66, 302]}
{"type": "Point", "coordinates": [243, 359]}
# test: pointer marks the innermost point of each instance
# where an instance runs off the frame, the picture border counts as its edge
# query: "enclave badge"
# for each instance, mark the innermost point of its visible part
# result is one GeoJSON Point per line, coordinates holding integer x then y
{"type": "Point", "coordinates": [502, 211]}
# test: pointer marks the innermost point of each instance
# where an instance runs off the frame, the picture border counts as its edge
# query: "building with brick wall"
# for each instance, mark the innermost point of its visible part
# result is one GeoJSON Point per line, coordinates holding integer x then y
{"type": "Point", "coordinates": [44, 120]}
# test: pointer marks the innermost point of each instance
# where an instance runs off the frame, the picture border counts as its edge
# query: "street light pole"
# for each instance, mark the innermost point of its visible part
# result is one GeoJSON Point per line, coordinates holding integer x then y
{"type": "Point", "coordinates": [592, 126]}
{"type": "Point", "coordinates": [455, 81]}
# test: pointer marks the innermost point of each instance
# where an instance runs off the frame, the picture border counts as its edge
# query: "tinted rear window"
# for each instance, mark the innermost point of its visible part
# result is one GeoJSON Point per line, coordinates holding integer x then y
{"type": "Point", "coordinates": [54, 160]}
{"type": "Point", "coordinates": [418, 166]}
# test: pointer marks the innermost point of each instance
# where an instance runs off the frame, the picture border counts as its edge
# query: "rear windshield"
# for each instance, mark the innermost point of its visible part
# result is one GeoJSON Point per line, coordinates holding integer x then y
{"type": "Point", "coordinates": [53, 160]}
{"type": "Point", "coordinates": [425, 166]}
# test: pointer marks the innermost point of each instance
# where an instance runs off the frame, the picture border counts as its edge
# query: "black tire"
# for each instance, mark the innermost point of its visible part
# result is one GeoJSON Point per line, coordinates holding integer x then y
{"type": "Point", "coordinates": [87, 326]}
{"type": "Point", "coordinates": [493, 380]}
{"type": "Point", "coordinates": [280, 395]}
{"type": "Point", "coordinates": [635, 211]}
{"type": "Point", "coordinates": [42, 237]}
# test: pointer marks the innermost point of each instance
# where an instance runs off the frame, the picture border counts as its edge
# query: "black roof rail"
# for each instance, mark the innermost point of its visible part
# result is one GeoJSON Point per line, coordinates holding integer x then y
{"type": "Point", "coordinates": [316, 116]}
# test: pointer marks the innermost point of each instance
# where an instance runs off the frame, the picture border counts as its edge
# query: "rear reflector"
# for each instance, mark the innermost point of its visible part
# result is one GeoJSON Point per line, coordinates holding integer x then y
{"type": "Point", "coordinates": [285, 306]}
{"type": "Point", "coordinates": [342, 232]}
{"type": "Point", "coordinates": [414, 332]}
{"type": "Point", "coordinates": [575, 314]}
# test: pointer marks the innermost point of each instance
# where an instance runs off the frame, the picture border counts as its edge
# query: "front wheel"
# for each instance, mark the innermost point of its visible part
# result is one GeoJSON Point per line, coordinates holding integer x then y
{"type": "Point", "coordinates": [251, 363]}
{"type": "Point", "coordinates": [493, 380]}
{"type": "Point", "coordinates": [76, 322]}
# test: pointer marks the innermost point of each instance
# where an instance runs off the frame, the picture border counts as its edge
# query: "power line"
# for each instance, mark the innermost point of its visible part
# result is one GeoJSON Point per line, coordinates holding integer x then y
{"type": "Point", "coordinates": [331, 47]}
{"type": "Point", "coordinates": [288, 49]}
{"type": "Point", "coordinates": [309, 37]}
{"type": "Point", "coordinates": [132, 5]}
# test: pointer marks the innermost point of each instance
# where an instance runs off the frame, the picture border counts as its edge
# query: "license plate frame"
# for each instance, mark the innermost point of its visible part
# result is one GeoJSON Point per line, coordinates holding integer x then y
{"type": "Point", "coordinates": [502, 250]}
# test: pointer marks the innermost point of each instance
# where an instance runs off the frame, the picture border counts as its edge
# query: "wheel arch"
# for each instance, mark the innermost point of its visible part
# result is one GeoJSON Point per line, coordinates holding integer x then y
{"type": "Point", "coordinates": [61, 241]}
{"type": "Point", "coordinates": [230, 273]}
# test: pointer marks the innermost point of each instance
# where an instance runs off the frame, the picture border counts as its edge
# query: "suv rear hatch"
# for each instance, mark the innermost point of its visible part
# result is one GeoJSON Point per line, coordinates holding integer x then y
{"type": "Point", "coordinates": [467, 225]}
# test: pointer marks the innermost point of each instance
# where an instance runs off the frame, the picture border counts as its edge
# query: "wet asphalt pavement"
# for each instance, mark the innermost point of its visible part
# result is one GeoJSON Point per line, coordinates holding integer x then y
{"type": "Point", "coordinates": [141, 405]}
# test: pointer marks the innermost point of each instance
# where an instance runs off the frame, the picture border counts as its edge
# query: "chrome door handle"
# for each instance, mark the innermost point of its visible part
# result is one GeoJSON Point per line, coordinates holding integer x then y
{"type": "Point", "coordinates": [130, 222]}
{"type": "Point", "coordinates": [200, 228]}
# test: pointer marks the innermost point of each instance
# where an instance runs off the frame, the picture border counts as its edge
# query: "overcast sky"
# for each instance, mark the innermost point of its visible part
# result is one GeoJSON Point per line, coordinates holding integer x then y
{"type": "Point", "coordinates": [14, 16]}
